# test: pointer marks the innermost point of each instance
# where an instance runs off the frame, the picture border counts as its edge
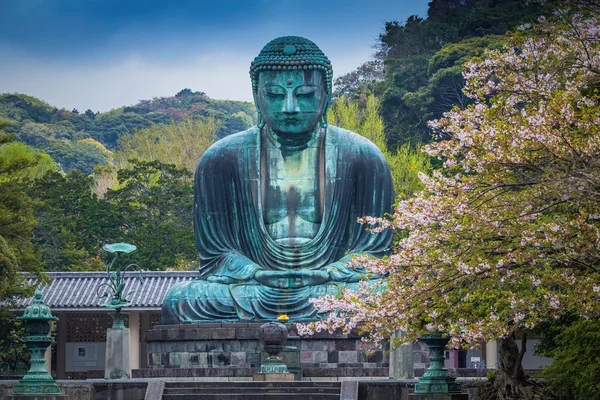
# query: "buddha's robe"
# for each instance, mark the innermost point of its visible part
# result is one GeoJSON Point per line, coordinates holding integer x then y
{"type": "Point", "coordinates": [233, 241]}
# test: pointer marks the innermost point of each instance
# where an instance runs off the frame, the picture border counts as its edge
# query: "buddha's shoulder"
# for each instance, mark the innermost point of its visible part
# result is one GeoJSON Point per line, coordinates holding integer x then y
{"type": "Point", "coordinates": [354, 143]}
{"type": "Point", "coordinates": [233, 143]}
{"type": "Point", "coordinates": [226, 152]}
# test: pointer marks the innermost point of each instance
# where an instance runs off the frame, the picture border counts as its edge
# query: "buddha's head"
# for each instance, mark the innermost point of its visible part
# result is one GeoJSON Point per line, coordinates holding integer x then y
{"type": "Point", "coordinates": [291, 83]}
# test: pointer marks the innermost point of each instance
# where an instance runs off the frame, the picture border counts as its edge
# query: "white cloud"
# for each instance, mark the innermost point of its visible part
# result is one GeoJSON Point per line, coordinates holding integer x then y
{"type": "Point", "coordinates": [117, 82]}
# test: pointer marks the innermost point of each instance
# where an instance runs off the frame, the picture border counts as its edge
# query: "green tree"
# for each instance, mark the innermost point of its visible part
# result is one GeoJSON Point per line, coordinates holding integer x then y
{"type": "Point", "coordinates": [418, 63]}
{"type": "Point", "coordinates": [363, 79]}
{"type": "Point", "coordinates": [405, 161]}
{"type": "Point", "coordinates": [72, 223]}
{"type": "Point", "coordinates": [13, 352]}
{"type": "Point", "coordinates": [90, 114]}
{"type": "Point", "coordinates": [60, 142]}
{"type": "Point", "coordinates": [179, 143]}
{"type": "Point", "coordinates": [37, 163]}
{"type": "Point", "coordinates": [575, 370]}
{"type": "Point", "coordinates": [16, 220]}
{"type": "Point", "coordinates": [154, 204]}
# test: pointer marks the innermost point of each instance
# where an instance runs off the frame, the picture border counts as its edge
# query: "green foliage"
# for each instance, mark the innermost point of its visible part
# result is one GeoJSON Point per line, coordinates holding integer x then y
{"type": "Point", "coordinates": [20, 108]}
{"type": "Point", "coordinates": [575, 370]}
{"type": "Point", "coordinates": [13, 352]}
{"type": "Point", "coordinates": [548, 330]}
{"type": "Point", "coordinates": [417, 70]}
{"type": "Point", "coordinates": [232, 116]}
{"type": "Point", "coordinates": [72, 223]}
{"type": "Point", "coordinates": [405, 161]}
{"type": "Point", "coordinates": [491, 376]}
{"type": "Point", "coordinates": [22, 161]}
{"type": "Point", "coordinates": [405, 164]}
{"type": "Point", "coordinates": [154, 205]}
{"type": "Point", "coordinates": [178, 143]}
{"type": "Point", "coordinates": [152, 208]}
{"type": "Point", "coordinates": [58, 132]}
{"type": "Point", "coordinates": [61, 142]}
{"type": "Point", "coordinates": [353, 84]}
{"type": "Point", "coordinates": [17, 164]}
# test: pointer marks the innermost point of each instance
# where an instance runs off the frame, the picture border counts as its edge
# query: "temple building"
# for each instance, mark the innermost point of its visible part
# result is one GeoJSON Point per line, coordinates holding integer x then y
{"type": "Point", "coordinates": [81, 329]}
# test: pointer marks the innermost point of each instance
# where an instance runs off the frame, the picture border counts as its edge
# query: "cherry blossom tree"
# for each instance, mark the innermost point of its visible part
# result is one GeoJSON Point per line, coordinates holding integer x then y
{"type": "Point", "coordinates": [507, 233]}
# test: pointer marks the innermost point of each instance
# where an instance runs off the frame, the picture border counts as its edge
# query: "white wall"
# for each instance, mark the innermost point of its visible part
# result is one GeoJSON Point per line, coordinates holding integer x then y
{"type": "Point", "coordinates": [83, 356]}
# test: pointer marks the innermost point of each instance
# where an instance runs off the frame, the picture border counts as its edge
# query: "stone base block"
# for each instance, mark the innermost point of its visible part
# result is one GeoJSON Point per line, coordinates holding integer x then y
{"type": "Point", "coordinates": [224, 346]}
{"type": "Point", "coordinates": [436, 386]}
{"type": "Point", "coordinates": [439, 396]}
{"type": "Point", "coordinates": [117, 354]}
{"type": "Point", "coordinates": [273, 377]}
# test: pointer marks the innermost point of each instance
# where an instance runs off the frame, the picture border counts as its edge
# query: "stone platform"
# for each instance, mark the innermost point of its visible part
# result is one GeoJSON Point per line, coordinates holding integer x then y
{"type": "Point", "coordinates": [233, 350]}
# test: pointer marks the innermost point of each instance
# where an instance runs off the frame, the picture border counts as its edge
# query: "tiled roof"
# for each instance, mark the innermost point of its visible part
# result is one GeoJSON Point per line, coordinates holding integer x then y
{"type": "Point", "coordinates": [78, 290]}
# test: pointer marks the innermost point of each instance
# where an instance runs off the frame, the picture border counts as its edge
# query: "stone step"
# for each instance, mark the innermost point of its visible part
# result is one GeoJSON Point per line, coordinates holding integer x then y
{"type": "Point", "coordinates": [226, 390]}
{"type": "Point", "coordinates": [250, 384]}
{"type": "Point", "coordinates": [252, 390]}
{"type": "Point", "coordinates": [252, 396]}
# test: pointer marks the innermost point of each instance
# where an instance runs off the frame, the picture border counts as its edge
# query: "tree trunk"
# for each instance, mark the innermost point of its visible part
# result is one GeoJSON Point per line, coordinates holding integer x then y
{"type": "Point", "coordinates": [509, 382]}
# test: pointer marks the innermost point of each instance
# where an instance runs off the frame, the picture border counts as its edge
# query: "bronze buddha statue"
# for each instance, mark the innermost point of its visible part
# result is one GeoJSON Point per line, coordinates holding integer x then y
{"type": "Point", "coordinates": [276, 206]}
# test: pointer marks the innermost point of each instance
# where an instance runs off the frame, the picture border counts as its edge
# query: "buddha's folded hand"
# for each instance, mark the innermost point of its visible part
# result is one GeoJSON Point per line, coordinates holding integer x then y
{"type": "Point", "coordinates": [291, 279]}
{"type": "Point", "coordinates": [220, 279]}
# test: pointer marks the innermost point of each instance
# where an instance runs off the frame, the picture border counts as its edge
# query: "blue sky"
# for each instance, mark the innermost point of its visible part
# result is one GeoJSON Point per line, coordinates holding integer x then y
{"type": "Point", "coordinates": [103, 54]}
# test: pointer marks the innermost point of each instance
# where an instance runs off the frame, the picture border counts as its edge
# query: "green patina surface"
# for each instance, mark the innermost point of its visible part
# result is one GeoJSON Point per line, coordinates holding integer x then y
{"type": "Point", "coordinates": [115, 285]}
{"type": "Point", "coordinates": [37, 381]}
{"type": "Point", "coordinates": [437, 378]}
{"type": "Point", "coordinates": [276, 206]}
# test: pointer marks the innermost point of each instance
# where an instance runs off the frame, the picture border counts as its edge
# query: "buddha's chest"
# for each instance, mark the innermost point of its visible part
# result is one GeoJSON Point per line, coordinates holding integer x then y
{"type": "Point", "coordinates": [292, 193]}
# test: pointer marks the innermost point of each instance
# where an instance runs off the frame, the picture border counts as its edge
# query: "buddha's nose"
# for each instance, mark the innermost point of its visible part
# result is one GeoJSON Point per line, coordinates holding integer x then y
{"type": "Point", "coordinates": [291, 105]}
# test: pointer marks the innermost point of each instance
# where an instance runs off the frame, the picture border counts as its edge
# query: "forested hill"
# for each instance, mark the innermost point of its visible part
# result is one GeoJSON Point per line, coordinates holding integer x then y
{"type": "Point", "coordinates": [81, 140]}
{"type": "Point", "coordinates": [417, 70]}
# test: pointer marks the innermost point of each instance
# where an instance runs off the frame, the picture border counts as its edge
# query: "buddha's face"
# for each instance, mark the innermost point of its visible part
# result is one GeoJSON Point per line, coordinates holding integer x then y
{"type": "Point", "coordinates": [291, 102]}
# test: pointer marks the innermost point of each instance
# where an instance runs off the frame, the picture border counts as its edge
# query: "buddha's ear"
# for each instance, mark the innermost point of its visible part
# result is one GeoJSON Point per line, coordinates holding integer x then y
{"type": "Point", "coordinates": [324, 122]}
{"type": "Point", "coordinates": [260, 122]}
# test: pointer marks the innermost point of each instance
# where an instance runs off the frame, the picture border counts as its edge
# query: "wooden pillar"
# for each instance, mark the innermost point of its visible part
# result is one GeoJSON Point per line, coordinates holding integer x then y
{"type": "Point", "coordinates": [134, 339]}
{"type": "Point", "coordinates": [491, 355]}
{"type": "Point", "coordinates": [144, 326]}
{"type": "Point", "coordinates": [61, 346]}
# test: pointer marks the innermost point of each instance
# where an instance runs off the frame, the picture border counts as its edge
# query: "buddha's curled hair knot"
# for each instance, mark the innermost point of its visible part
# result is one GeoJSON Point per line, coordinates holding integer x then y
{"type": "Point", "coordinates": [291, 53]}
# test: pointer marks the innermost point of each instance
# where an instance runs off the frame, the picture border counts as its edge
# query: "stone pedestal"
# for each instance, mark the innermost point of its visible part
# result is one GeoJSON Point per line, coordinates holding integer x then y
{"type": "Point", "coordinates": [117, 364]}
{"type": "Point", "coordinates": [234, 350]}
{"type": "Point", "coordinates": [402, 361]}
{"type": "Point", "coordinates": [450, 396]}
{"type": "Point", "coordinates": [273, 377]}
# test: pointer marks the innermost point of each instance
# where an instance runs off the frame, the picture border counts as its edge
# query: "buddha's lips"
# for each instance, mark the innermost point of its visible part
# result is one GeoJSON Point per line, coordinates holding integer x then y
{"type": "Point", "coordinates": [297, 116]}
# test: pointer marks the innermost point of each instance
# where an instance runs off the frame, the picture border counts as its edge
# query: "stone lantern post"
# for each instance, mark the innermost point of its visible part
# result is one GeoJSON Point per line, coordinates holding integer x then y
{"type": "Point", "coordinates": [37, 383]}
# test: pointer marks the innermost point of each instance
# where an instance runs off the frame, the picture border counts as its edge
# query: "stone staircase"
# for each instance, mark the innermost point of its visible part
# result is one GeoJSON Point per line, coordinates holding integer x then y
{"type": "Point", "coordinates": [248, 390]}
